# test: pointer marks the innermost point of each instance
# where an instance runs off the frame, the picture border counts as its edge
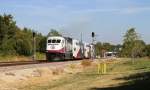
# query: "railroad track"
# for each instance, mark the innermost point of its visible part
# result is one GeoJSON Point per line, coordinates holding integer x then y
{"type": "Point", "coordinates": [15, 63]}
{"type": "Point", "coordinates": [18, 65]}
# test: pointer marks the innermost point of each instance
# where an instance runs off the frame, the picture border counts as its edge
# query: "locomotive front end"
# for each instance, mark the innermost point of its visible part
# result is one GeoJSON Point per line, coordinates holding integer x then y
{"type": "Point", "coordinates": [55, 48]}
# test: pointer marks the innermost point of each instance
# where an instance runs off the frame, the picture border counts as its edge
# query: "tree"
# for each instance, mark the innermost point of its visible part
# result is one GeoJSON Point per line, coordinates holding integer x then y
{"type": "Point", "coordinates": [132, 45]}
{"type": "Point", "coordinates": [138, 49]}
{"type": "Point", "coordinates": [23, 47]}
{"type": "Point", "coordinates": [54, 32]}
{"type": "Point", "coordinates": [8, 47]}
{"type": "Point", "coordinates": [147, 50]}
{"type": "Point", "coordinates": [14, 40]}
{"type": "Point", "coordinates": [104, 47]}
{"type": "Point", "coordinates": [107, 46]}
{"type": "Point", "coordinates": [7, 32]}
{"type": "Point", "coordinates": [42, 45]}
{"type": "Point", "coordinates": [98, 48]}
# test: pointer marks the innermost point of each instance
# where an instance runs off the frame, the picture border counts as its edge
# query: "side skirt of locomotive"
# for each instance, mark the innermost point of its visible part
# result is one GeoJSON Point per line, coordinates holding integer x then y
{"type": "Point", "coordinates": [58, 56]}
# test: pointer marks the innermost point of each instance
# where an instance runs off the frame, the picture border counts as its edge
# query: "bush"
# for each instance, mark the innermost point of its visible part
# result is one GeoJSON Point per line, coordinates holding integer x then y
{"type": "Point", "coordinates": [40, 56]}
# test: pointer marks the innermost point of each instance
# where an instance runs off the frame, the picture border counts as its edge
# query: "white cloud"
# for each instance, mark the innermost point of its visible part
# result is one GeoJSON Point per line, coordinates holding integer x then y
{"type": "Point", "coordinates": [130, 10]}
{"type": "Point", "coordinates": [134, 10]}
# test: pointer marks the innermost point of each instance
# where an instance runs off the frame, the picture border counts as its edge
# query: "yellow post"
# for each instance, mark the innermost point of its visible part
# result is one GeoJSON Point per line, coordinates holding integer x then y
{"type": "Point", "coordinates": [102, 68]}
{"type": "Point", "coordinates": [99, 68]}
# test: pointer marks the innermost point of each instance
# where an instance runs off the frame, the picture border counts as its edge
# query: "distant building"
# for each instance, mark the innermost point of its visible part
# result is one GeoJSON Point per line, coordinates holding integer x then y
{"type": "Point", "coordinates": [110, 54]}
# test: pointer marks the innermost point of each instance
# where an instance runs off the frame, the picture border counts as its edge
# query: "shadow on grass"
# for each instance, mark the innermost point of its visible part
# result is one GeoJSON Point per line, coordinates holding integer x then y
{"type": "Point", "coordinates": [140, 81]}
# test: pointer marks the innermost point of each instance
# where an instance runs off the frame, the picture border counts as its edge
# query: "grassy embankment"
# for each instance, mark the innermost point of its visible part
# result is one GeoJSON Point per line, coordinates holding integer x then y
{"type": "Point", "coordinates": [121, 75]}
{"type": "Point", "coordinates": [5, 58]}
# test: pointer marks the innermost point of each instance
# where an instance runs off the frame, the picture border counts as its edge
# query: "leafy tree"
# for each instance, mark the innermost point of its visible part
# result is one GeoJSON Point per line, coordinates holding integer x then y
{"type": "Point", "coordinates": [98, 48]}
{"type": "Point", "coordinates": [107, 46]}
{"type": "Point", "coordinates": [23, 47]}
{"type": "Point", "coordinates": [42, 45]}
{"type": "Point", "coordinates": [7, 32]}
{"type": "Point", "coordinates": [14, 40]}
{"type": "Point", "coordinates": [23, 42]}
{"type": "Point", "coordinates": [138, 49]}
{"type": "Point", "coordinates": [8, 47]}
{"type": "Point", "coordinates": [103, 47]}
{"type": "Point", "coordinates": [40, 42]}
{"type": "Point", "coordinates": [54, 32]}
{"type": "Point", "coordinates": [132, 45]}
{"type": "Point", "coordinates": [147, 50]}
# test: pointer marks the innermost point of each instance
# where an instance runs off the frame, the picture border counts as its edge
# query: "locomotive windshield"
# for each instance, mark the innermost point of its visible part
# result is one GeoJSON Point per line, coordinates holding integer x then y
{"type": "Point", "coordinates": [58, 41]}
{"type": "Point", "coordinates": [49, 41]}
{"type": "Point", "coordinates": [54, 41]}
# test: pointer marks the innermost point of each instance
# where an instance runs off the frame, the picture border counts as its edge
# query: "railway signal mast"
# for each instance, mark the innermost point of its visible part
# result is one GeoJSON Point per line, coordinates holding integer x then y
{"type": "Point", "coordinates": [34, 46]}
{"type": "Point", "coordinates": [93, 48]}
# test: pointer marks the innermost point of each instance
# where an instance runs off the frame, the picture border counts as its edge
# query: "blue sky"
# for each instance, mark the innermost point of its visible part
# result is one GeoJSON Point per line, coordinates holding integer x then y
{"type": "Point", "coordinates": [109, 19]}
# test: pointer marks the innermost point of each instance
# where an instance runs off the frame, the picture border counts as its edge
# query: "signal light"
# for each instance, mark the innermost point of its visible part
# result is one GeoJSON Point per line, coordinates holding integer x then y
{"type": "Point", "coordinates": [93, 34]}
{"type": "Point", "coordinates": [33, 34]}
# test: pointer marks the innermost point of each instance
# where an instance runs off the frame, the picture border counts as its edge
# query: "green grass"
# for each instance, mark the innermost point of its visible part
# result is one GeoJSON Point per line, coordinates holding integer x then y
{"type": "Point", "coordinates": [40, 56]}
{"type": "Point", "coordinates": [5, 58]}
{"type": "Point", "coordinates": [128, 65]}
{"type": "Point", "coordinates": [132, 73]}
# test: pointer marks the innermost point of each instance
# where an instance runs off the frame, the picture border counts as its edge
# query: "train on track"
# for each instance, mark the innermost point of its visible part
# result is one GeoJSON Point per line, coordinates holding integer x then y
{"type": "Point", "coordinates": [66, 48]}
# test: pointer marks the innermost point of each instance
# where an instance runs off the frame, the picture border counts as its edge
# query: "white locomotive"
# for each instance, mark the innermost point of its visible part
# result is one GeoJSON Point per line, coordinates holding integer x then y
{"type": "Point", "coordinates": [63, 48]}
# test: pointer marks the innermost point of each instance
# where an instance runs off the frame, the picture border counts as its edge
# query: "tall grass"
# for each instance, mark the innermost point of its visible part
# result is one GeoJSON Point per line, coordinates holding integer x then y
{"type": "Point", "coordinates": [7, 58]}
{"type": "Point", "coordinates": [86, 63]}
{"type": "Point", "coordinates": [40, 56]}
{"type": "Point", "coordinates": [12, 57]}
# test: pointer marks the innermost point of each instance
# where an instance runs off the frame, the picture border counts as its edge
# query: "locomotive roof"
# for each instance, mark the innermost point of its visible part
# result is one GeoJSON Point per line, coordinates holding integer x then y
{"type": "Point", "coordinates": [68, 38]}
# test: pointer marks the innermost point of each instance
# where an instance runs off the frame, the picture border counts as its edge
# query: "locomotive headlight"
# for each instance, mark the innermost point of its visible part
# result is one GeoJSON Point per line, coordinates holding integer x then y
{"type": "Point", "coordinates": [52, 47]}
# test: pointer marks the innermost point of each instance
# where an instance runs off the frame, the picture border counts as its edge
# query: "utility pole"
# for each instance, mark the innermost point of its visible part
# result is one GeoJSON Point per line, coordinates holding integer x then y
{"type": "Point", "coordinates": [81, 37]}
{"type": "Point", "coordinates": [34, 46]}
{"type": "Point", "coordinates": [82, 46]}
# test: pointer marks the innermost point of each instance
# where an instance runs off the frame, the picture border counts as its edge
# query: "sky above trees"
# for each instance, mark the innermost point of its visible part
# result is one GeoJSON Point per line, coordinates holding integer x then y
{"type": "Point", "coordinates": [109, 19]}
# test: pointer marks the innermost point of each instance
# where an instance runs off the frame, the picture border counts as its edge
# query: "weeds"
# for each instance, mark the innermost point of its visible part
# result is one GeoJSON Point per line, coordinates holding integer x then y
{"type": "Point", "coordinates": [57, 71]}
{"type": "Point", "coordinates": [72, 66]}
{"type": "Point", "coordinates": [86, 63]}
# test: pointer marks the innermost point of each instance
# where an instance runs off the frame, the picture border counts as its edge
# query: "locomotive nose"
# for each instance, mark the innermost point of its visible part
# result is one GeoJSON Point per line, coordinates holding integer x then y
{"type": "Point", "coordinates": [52, 47]}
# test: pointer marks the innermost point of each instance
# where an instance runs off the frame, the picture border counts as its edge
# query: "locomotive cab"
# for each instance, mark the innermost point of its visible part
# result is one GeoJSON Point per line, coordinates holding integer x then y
{"type": "Point", "coordinates": [55, 48]}
{"type": "Point", "coordinates": [55, 44]}
{"type": "Point", "coordinates": [58, 48]}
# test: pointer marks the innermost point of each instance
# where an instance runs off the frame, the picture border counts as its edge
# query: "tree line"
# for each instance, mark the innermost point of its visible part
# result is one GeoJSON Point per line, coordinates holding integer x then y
{"type": "Point", "coordinates": [17, 41]}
